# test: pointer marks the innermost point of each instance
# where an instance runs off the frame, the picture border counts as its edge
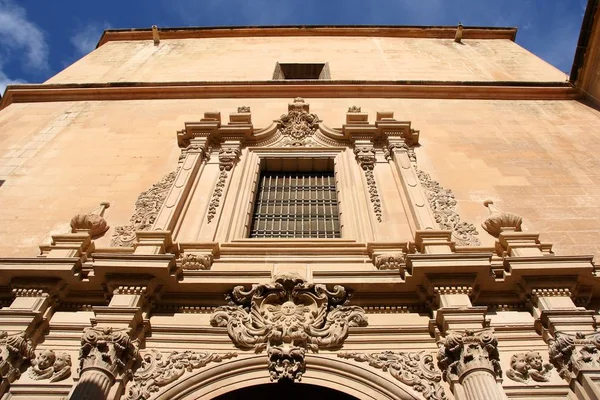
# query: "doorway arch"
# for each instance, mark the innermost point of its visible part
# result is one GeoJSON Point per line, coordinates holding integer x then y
{"type": "Point", "coordinates": [285, 391]}
{"type": "Point", "coordinates": [358, 381]}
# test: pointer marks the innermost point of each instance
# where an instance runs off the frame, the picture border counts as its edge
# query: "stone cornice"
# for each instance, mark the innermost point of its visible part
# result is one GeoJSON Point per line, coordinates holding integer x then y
{"type": "Point", "coordinates": [431, 32]}
{"type": "Point", "coordinates": [311, 89]}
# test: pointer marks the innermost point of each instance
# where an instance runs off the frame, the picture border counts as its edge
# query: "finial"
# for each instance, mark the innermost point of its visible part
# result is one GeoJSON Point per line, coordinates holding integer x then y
{"type": "Point", "coordinates": [499, 221]}
{"type": "Point", "coordinates": [459, 33]}
{"type": "Point", "coordinates": [155, 35]}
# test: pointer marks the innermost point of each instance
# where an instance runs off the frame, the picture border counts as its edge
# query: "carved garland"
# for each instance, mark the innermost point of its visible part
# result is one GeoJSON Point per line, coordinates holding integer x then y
{"type": "Point", "coordinates": [147, 207]}
{"type": "Point", "coordinates": [365, 156]}
{"type": "Point", "coordinates": [227, 159]}
{"type": "Point", "coordinates": [288, 317]}
{"type": "Point", "coordinates": [416, 370]}
{"type": "Point", "coordinates": [156, 371]}
{"type": "Point", "coordinates": [443, 204]}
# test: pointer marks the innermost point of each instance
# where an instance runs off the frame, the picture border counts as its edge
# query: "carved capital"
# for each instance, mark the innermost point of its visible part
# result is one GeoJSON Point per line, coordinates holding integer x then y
{"type": "Point", "coordinates": [288, 317]}
{"type": "Point", "coordinates": [365, 156]}
{"type": "Point", "coordinates": [415, 369]}
{"type": "Point", "coordinates": [527, 367]}
{"type": "Point", "coordinates": [14, 351]}
{"type": "Point", "coordinates": [228, 157]}
{"type": "Point", "coordinates": [107, 349]}
{"type": "Point", "coordinates": [498, 221]}
{"type": "Point", "coordinates": [156, 370]}
{"type": "Point", "coordinates": [462, 352]}
{"type": "Point", "coordinates": [571, 354]}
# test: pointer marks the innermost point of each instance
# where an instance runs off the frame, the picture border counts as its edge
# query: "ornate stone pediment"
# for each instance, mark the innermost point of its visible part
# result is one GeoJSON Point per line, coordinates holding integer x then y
{"type": "Point", "coordinates": [288, 317]}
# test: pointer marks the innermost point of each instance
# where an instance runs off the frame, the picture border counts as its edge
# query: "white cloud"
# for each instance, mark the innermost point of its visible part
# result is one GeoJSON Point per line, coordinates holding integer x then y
{"type": "Point", "coordinates": [19, 34]}
{"type": "Point", "coordinates": [22, 40]}
{"type": "Point", "coordinates": [86, 39]}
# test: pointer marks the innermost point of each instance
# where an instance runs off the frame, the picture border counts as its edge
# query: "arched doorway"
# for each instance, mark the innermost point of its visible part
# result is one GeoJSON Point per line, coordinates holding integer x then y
{"type": "Point", "coordinates": [290, 391]}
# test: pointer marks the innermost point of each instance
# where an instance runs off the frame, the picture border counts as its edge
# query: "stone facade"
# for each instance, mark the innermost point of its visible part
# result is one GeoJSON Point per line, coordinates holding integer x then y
{"type": "Point", "coordinates": [468, 212]}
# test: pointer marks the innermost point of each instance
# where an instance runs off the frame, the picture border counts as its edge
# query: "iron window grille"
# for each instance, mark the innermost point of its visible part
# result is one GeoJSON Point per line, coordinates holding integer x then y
{"type": "Point", "coordinates": [296, 205]}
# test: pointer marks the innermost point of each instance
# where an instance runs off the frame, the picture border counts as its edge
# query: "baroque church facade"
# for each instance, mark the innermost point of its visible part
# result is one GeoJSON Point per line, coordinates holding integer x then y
{"type": "Point", "coordinates": [345, 212]}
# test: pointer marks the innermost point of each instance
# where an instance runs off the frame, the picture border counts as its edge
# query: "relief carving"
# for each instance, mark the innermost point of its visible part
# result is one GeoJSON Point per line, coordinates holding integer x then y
{"type": "Point", "coordinates": [14, 350]}
{"type": "Point", "coordinates": [460, 352]}
{"type": "Point", "coordinates": [354, 109]}
{"type": "Point", "coordinates": [147, 206]}
{"type": "Point", "coordinates": [157, 371]}
{"type": "Point", "coordinates": [443, 204]}
{"type": "Point", "coordinates": [365, 156]}
{"type": "Point", "coordinates": [298, 123]}
{"type": "Point", "coordinates": [227, 159]}
{"type": "Point", "coordinates": [571, 354]}
{"type": "Point", "coordinates": [416, 370]}
{"type": "Point", "coordinates": [50, 365]}
{"type": "Point", "coordinates": [191, 261]}
{"type": "Point", "coordinates": [107, 349]}
{"type": "Point", "coordinates": [525, 367]}
{"type": "Point", "coordinates": [390, 261]}
{"type": "Point", "coordinates": [243, 109]}
{"type": "Point", "coordinates": [288, 317]}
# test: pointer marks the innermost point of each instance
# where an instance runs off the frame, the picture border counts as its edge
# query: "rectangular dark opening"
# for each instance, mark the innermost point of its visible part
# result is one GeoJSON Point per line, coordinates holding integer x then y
{"type": "Point", "coordinates": [301, 71]}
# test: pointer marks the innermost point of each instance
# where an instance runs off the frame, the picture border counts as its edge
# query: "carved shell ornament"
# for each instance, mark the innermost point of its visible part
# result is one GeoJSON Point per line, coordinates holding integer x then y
{"type": "Point", "coordinates": [499, 221]}
{"type": "Point", "coordinates": [288, 317]}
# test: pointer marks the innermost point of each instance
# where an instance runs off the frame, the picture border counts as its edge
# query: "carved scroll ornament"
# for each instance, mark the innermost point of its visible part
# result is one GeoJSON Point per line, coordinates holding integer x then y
{"type": "Point", "coordinates": [443, 204]}
{"type": "Point", "coordinates": [416, 370]}
{"type": "Point", "coordinates": [571, 354]}
{"type": "Point", "coordinates": [157, 371]}
{"type": "Point", "coordinates": [50, 365]}
{"type": "Point", "coordinates": [460, 352]}
{"type": "Point", "coordinates": [147, 207]}
{"type": "Point", "coordinates": [288, 317]}
{"type": "Point", "coordinates": [14, 350]}
{"type": "Point", "coordinates": [525, 367]}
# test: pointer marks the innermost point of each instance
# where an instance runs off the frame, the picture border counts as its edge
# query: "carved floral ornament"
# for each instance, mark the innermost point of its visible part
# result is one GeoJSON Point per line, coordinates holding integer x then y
{"type": "Point", "coordinates": [288, 317]}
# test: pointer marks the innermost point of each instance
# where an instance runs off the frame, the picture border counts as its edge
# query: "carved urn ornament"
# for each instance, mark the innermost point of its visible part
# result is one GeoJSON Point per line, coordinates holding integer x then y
{"type": "Point", "coordinates": [499, 221]}
{"type": "Point", "coordinates": [288, 317]}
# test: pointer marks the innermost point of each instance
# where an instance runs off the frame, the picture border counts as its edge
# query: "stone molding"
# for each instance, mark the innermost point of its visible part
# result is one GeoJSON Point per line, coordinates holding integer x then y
{"type": "Point", "coordinates": [462, 352]}
{"type": "Point", "coordinates": [157, 371]}
{"type": "Point", "coordinates": [147, 207]}
{"type": "Point", "coordinates": [443, 204]}
{"type": "Point", "coordinates": [107, 349]}
{"type": "Point", "coordinates": [288, 317]}
{"type": "Point", "coordinates": [414, 369]}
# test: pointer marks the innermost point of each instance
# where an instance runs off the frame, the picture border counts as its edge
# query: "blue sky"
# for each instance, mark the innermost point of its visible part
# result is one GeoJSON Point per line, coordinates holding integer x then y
{"type": "Point", "coordinates": [38, 38]}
